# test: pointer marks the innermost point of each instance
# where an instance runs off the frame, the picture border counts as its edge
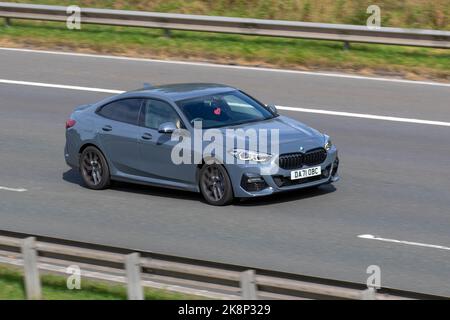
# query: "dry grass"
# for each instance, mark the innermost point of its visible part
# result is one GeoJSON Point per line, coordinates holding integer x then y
{"type": "Point", "coordinates": [368, 59]}
{"type": "Point", "coordinates": [429, 14]}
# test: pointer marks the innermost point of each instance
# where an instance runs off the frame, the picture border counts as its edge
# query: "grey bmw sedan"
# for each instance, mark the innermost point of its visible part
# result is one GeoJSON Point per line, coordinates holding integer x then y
{"type": "Point", "coordinates": [207, 138]}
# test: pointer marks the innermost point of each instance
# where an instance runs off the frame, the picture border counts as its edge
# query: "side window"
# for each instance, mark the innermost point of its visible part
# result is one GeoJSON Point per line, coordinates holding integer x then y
{"type": "Point", "coordinates": [157, 112]}
{"type": "Point", "coordinates": [126, 110]}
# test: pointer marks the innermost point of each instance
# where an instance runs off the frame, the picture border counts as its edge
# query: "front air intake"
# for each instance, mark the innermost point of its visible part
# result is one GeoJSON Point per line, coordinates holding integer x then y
{"type": "Point", "coordinates": [289, 161]}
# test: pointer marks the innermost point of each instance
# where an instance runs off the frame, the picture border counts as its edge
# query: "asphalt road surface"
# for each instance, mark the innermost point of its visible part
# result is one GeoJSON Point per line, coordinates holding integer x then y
{"type": "Point", "coordinates": [395, 175]}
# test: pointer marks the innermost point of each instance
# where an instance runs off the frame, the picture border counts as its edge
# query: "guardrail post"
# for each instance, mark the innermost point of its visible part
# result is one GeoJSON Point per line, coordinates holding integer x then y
{"type": "Point", "coordinates": [32, 281]}
{"type": "Point", "coordinates": [248, 285]}
{"type": "Point", "coordinates": [7, 22]}
{"type": "Point", "coordinates": [346, 45]}
{"type": "Point", "coordinates": [133, 271]}
{"type": "Point", "coordinates": [369, 294]}
{"type": "Point", "coordinates": [167, 33]}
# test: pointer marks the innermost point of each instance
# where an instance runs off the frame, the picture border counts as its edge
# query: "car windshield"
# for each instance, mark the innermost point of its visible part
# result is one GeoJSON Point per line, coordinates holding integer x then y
{"type": "Point", "coordinates": [224, 109]}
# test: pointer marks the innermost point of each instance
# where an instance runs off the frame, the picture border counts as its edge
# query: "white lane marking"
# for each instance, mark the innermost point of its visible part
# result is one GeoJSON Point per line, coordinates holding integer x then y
{"type": "Point", "coordinates": [418, 244]}
{"type": "Point", "coordinates": [58, 86]}
{"type": "Point", "coordinates": [213, 65]}
{"type": "Point", "coordinates": [13, 189]}
{"type": "Point", "coordinates": [319, 111]}
{"type": "Point", "coordinates": [366, 116]}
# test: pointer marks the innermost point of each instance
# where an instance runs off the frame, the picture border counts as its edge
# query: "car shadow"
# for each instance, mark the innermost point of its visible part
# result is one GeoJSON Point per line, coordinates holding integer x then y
{"type": "Point", "coordinates": [73, 176]}
{"type": "Point", "coordinates": [288, 196]}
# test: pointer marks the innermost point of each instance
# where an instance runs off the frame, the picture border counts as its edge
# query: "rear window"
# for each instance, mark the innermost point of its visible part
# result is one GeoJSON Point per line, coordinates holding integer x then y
{"type": "Point", "coordinates": [126, 110]}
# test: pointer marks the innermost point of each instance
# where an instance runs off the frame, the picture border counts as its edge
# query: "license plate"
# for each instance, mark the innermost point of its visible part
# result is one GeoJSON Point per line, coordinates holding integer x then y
{"type": "Point", "coordinates": [305, 173]}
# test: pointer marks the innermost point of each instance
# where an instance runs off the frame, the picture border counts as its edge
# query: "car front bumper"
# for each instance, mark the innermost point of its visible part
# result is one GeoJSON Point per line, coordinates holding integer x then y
{"type": "Point", "coordinates": [268, 178]}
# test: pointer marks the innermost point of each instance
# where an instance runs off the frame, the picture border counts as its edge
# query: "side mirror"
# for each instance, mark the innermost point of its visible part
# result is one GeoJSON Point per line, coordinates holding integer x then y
{"type": "Point", "coordinates": [167, 127]}
{"type": "Point", "coordinates": [273, 109]}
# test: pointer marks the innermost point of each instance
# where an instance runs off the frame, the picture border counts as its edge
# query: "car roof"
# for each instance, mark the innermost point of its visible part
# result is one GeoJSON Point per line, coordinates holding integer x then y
{"type": "Point", "coordinates": [182, 91]}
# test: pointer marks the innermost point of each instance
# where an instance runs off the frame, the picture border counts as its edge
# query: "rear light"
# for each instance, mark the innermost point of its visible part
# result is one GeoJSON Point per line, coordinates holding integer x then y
{"type": "Point", "coordinates": [70, 123]}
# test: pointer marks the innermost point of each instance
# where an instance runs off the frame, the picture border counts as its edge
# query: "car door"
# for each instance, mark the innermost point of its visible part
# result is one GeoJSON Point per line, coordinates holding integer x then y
{"type": "Point", "coordinates": [118, 132]}
{"type": "Point", "coordinates": [156, 148]}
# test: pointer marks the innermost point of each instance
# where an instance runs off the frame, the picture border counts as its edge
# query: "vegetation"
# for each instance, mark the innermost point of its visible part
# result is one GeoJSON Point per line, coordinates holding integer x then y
{"type": "Point", "coordinates": [368, 59]}
{"type": "Point", "coordinates": [54, 288]}
{"type": "Point", "coordinates": [432, 14]}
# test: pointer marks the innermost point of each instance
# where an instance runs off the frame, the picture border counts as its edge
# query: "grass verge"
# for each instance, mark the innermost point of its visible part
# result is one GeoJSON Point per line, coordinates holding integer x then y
{"type": "Point", "coordinates": [424, 14]}
{"type": "Point", "coordinates": [54, 288]}
{"type": "Point", "coordinates": [407, 62]}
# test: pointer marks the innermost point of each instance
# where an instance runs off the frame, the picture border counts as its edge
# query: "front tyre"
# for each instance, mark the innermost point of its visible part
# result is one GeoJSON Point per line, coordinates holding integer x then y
{"type": "Point", "coordinates": [215, 185]}
{"type": "Point", "coordinates": [94, 169]}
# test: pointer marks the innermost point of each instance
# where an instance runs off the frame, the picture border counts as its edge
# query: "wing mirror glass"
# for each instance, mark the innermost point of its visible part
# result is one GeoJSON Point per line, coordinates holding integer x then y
{"type": "Point", "coordinates": [167, 127]}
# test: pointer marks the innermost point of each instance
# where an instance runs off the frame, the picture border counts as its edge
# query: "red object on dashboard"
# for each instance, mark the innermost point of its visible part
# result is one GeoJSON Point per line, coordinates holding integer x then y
{"type": "Point", "coordinates": [217, 111]}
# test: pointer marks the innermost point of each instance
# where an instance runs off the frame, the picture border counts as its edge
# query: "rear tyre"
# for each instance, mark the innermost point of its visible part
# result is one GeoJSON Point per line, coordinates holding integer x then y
{"type": "Point", "coordinates": [215, 185]}
{"type": "Point", "coordinates": [94, 169]}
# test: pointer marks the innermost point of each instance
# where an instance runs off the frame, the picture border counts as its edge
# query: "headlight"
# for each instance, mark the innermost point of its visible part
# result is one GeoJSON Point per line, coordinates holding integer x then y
{"type": "Point", "coordinates": [245, 155]}
{"type": "Point", "coordinates": [328, 143]}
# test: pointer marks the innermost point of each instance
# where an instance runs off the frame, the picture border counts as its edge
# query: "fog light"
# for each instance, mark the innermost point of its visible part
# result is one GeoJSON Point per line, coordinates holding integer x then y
{"type": "Point", "coordinates": [252, 182]}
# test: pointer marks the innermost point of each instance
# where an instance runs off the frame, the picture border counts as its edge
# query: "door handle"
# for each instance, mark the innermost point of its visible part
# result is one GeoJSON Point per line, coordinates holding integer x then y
{"type": "Point", "coordinates": [107, 128]}
{"type": "Point", "coordinates": [147, 136]}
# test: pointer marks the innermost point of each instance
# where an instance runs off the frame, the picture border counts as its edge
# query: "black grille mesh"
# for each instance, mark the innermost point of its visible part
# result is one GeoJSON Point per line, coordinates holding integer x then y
{"type": "Point", "coordinates": [291, 161]}
{"type": "Point", "coordinates": [314, 157]}
{"type": "Point", "coordinates": [296, 160]}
